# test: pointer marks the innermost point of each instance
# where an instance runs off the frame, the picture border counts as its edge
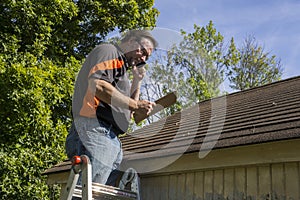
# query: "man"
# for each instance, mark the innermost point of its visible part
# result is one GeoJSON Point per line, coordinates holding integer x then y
{"type": "Point", "coordinates": [104, 101]}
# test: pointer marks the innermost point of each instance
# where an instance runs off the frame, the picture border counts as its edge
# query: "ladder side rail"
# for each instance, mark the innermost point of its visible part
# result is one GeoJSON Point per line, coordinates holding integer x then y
{"type": "Point", "coordinates": [86, 178]}
{"type": "Point", "coordinates": [71, 184]}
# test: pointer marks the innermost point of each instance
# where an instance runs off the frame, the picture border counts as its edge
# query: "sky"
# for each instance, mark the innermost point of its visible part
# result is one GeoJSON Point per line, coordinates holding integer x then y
{"type": "Point", "coordinates": [275, 24]}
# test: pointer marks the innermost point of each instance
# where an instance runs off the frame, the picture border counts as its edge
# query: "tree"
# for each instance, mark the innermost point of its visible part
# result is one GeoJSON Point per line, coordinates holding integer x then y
{"type": "Point", "coordinates": [35, 116]}
{"type": "Point", "coordinates": [254, 67]}
{"type": "Point", "coordinates": [42, 44]}
{"type": "Point", "coordinates": [194, 68]}
{"type": "Point", "coordinates": [60, 29]}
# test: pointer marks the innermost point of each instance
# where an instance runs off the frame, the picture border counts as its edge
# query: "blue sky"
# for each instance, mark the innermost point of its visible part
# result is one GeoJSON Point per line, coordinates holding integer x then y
{"type": "Point", "coordinates": [274, 23]}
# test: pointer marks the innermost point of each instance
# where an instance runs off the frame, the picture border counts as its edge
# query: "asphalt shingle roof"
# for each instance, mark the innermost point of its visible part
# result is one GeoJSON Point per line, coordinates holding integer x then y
{"type": "Point", "coordinates": [263, 114]}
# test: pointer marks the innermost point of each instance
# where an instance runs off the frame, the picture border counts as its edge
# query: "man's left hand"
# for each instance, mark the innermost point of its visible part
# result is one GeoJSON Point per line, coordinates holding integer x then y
{"type": "Point", "coordinates": [138, 72]}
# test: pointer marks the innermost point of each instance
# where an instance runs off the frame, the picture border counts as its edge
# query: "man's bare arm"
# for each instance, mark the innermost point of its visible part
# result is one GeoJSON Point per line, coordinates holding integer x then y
{"type": "Point", "coordinates": [110, 95]}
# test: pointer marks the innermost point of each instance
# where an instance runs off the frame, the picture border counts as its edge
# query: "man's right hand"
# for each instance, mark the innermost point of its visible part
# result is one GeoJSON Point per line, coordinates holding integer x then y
{"type": "Point", "coordinates": [144, 107]}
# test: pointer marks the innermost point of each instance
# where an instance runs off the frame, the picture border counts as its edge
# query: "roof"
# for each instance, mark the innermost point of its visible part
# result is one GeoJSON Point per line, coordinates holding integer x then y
{"type": "Point", "coordinates": [263, 114]}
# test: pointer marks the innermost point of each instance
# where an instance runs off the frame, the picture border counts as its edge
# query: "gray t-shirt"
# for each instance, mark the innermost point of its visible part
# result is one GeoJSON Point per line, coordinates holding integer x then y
{"type": "Point", "coordinates": [105, 62]}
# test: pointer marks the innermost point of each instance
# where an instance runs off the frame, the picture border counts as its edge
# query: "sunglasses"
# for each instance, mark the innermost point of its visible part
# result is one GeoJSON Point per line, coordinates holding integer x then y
{"type": "Point", "coordinates": [144, 50]}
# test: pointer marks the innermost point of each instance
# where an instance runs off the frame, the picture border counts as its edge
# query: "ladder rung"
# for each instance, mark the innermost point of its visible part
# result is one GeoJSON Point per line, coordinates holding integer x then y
{"type": "Point", "coordinates": [101, 191]}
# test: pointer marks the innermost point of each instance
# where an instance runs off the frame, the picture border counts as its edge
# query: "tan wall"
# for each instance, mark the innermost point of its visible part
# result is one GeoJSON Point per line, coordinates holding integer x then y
{"type": "Point", "coordinates": [267, 181]}
{"type": "Point", "coordinates": [269, 171]}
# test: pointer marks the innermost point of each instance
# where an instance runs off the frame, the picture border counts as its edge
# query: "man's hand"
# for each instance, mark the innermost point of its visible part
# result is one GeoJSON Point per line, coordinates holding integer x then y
{"type": "Point", "coordinates": [160, 104]}
{"type": "Point", "coordinates": [138, 73]}
{"type": "Point", "coordinates": [144, 107]}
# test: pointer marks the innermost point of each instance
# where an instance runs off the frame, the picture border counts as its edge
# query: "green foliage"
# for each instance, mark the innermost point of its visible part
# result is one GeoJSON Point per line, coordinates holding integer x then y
{"type": "Point", "coordinates": [233, 55]}
{"type": "Point", "coordinates": [42, 44]}
{"type": "Point", "coordinates": [64, 28]}
{"type": "Point", "coordinates": [202, 54]}
{"type": "Point", "coordinates": [253, 66]}
{"type": "Point", "coordinates": [35, 114]}
{"type": "Point", "coordinates": [22, 178]}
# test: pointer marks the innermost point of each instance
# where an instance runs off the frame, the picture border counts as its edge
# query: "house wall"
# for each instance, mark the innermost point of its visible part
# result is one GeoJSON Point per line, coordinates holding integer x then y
{"type": "Point", "coordinates": [268, 171]}
{"type": "Point", "coordinates": [265, 182]}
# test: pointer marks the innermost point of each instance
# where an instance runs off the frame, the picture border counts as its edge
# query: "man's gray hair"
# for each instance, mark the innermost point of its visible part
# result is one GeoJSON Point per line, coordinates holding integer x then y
{"type": "Point", "coordinates": [140, 34]}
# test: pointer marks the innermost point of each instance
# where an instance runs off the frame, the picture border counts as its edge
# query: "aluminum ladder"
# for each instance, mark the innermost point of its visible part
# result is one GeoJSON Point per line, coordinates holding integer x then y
{"type": "Point", "coordinates": [128, 187]}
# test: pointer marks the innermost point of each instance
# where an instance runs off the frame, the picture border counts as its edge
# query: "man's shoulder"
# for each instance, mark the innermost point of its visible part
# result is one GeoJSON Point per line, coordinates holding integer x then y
{"type": "Point", "coordinates": [105, 51]}
{"type": "Point", "coordinates": [106, 47]}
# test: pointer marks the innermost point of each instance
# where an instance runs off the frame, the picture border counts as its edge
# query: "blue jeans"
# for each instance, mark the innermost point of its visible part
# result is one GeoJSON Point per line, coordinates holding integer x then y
{"type": "Point", "coordinates": [96, 140]}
